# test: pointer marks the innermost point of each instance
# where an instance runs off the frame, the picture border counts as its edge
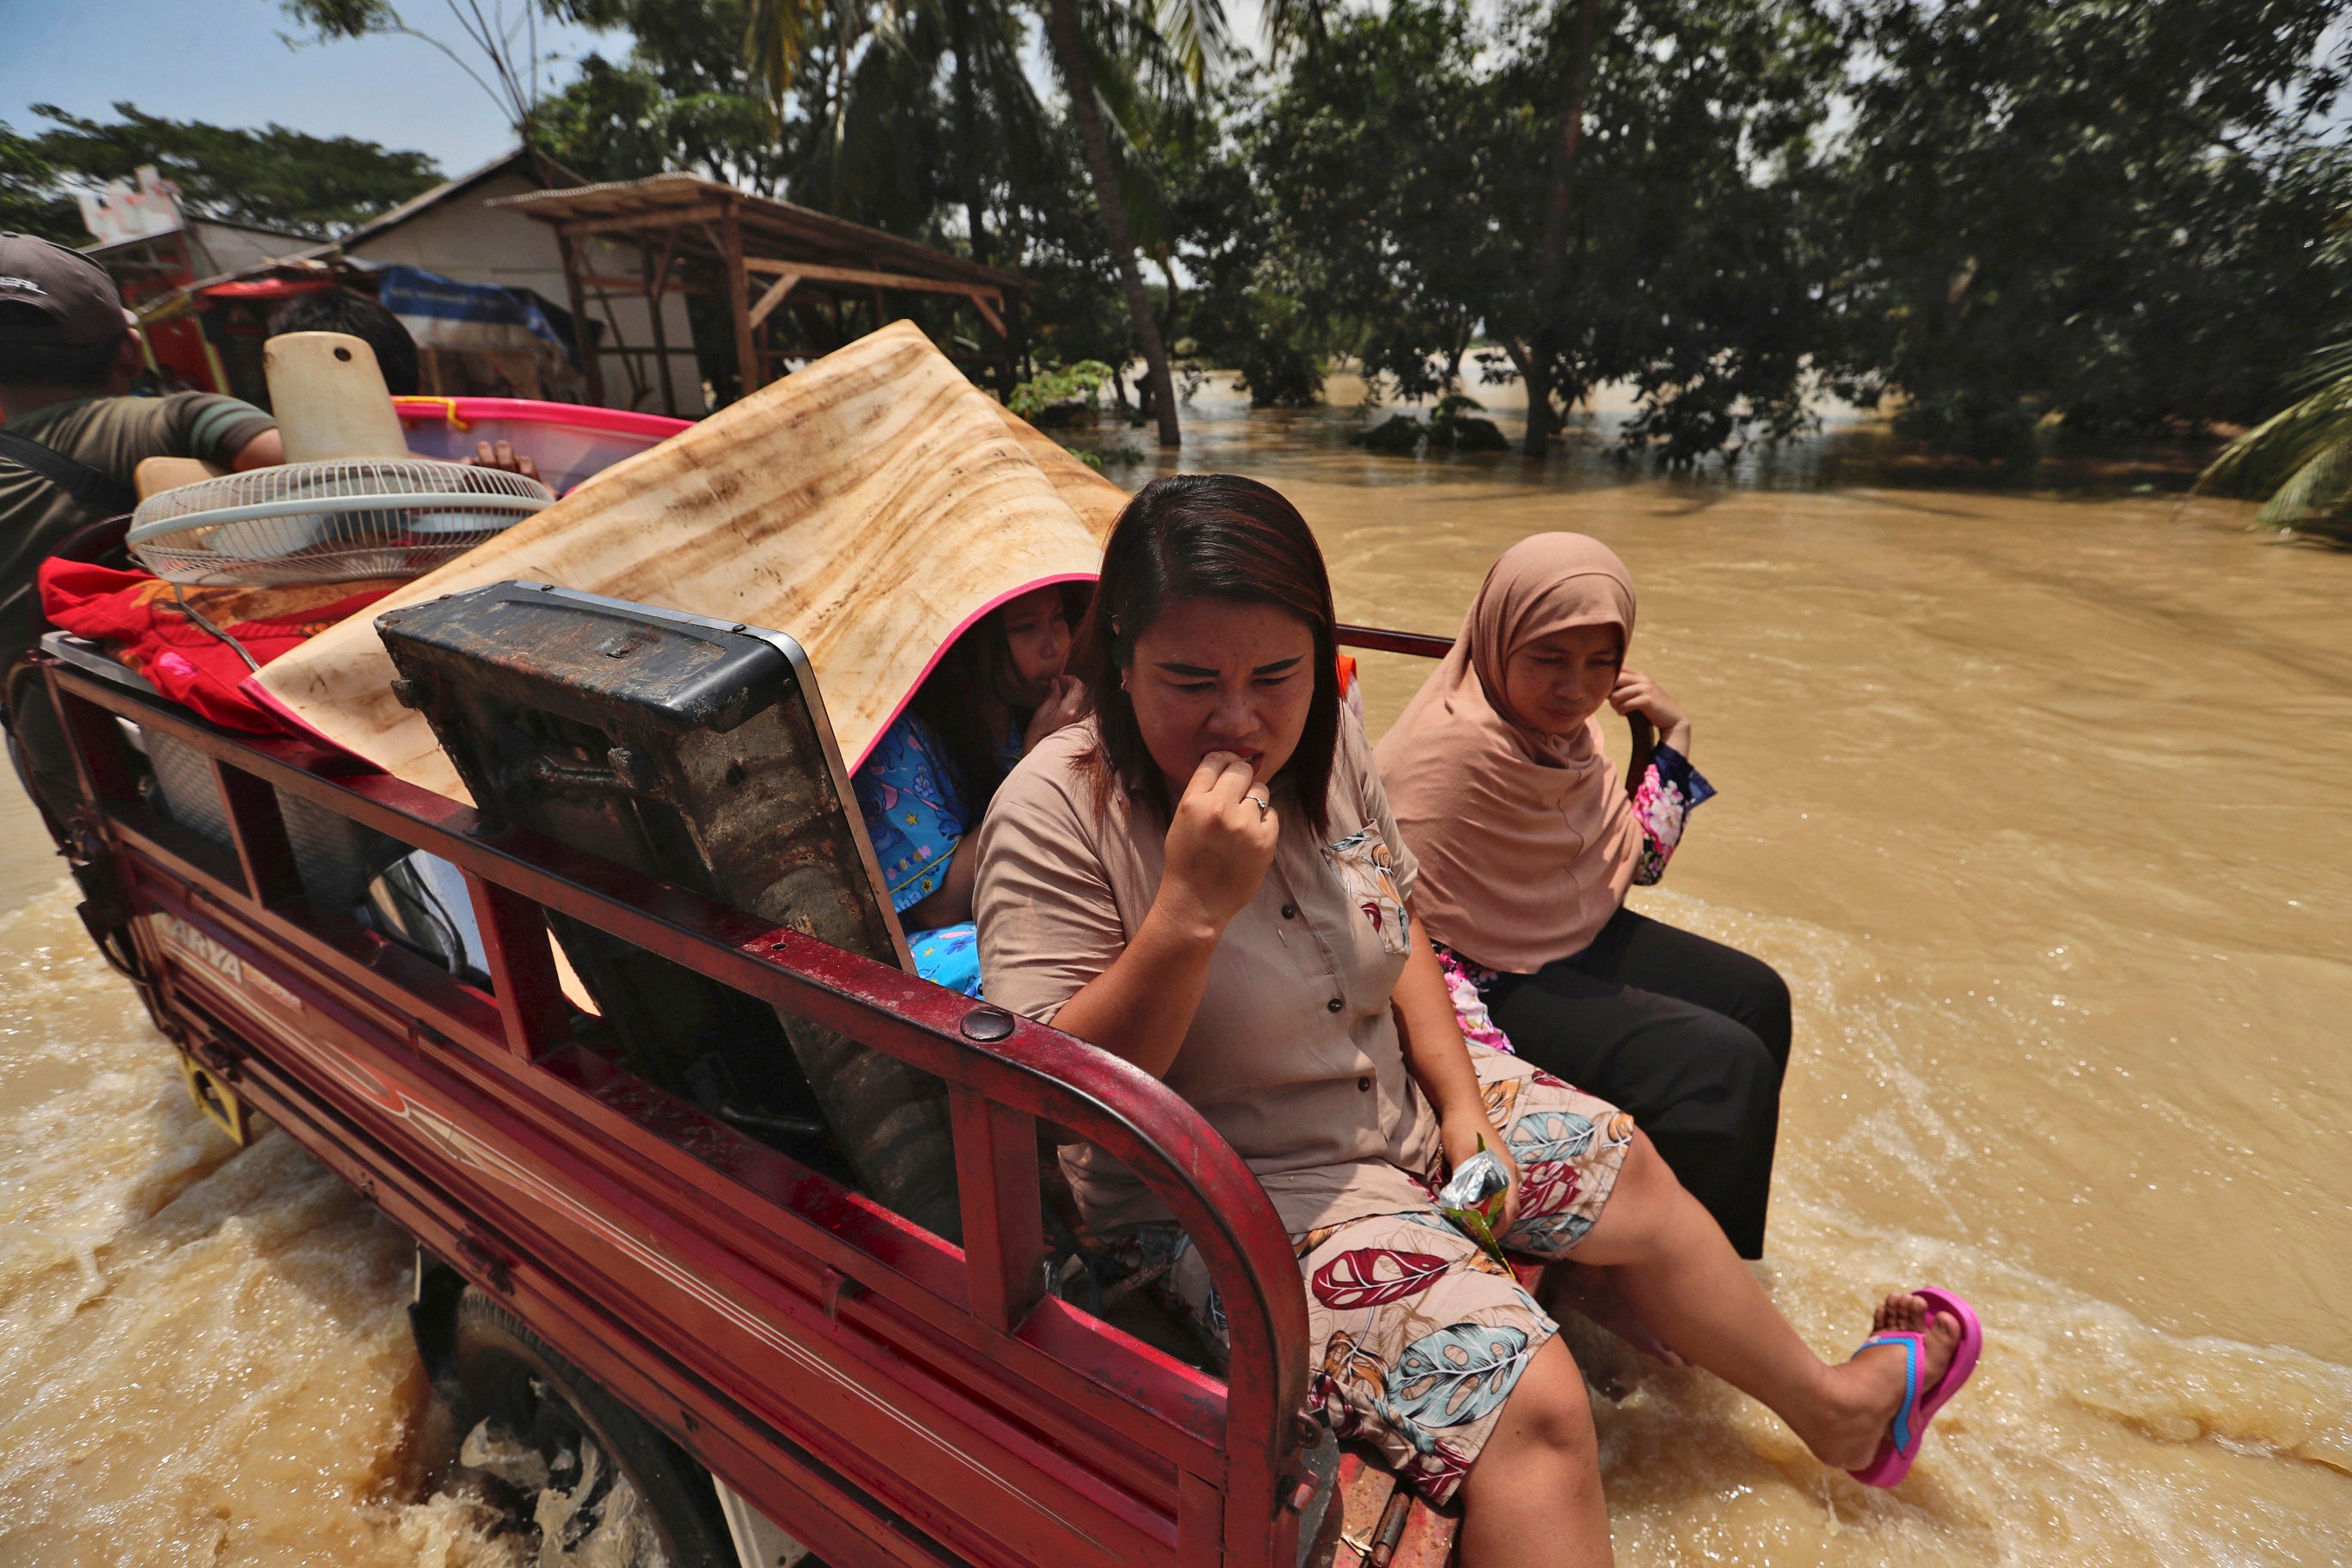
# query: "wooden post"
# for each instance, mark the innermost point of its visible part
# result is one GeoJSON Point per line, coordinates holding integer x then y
{"type": "Point", "coordinates": [583, 340]}
{"type": "Point", "coordinates": [628, 356]}
{"type": "Point", "coordinates": [739, 298]}
{"type": "Point", "coordinates": [656, 295]}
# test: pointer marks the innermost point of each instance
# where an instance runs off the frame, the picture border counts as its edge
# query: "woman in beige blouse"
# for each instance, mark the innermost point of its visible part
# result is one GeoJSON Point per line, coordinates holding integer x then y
{"type": "Point", "coordinates": [1205, 879]}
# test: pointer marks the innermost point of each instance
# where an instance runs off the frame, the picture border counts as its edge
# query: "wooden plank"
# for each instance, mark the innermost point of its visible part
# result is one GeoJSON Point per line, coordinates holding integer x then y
{"type": "Point", "coordinates": [669, 258]}
{"type": "Point", "coordinates": [739, 285]}
{"type": "Point", "coordinates": [988, 313]}
{"type": "Point", "coordinates": [867, 277]}
{"type": "Point", "coordinates": [656, 275]}
{"type": "Point", "coordinates": [583, 341]}
{"type": "Point", "coordinates": [637, 285]}
{"type": "Point", "coordinates": [773, 296]}
{"type": "Point", "coordinates": [650, 217]}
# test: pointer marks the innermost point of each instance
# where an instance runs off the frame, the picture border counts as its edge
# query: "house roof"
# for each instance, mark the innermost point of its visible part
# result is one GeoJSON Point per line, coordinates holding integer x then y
{"type": "Point", "coordinates": [521, 161]}
{"type": "Point", "coordinates": [772, 229]}
{"type": "Point", "coordinates": [100, 251]}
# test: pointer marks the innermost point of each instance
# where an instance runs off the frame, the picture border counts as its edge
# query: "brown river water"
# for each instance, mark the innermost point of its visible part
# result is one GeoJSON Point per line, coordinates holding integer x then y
{"type": "Point", "coordinates": [2044, 808]}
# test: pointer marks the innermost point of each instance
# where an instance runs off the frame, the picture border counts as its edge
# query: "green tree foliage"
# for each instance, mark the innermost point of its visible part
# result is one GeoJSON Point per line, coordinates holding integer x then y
{"type": "Point", "coordinates": [33, 199]}
{"type": "Point", "coordinates": [684, 97]}
{"type": "Point", "coordinates": [272, 178]}
{"type": "Point", "coordinates": [1686, 267]}
{"type": "Point", "coordinates": [1080, 382]}
{"type": "Point", "coordinates": [1426, 177]}
{"type": "Point", "coordinates": [1381, 172]}
{"type": "Point", "coordinates": [2116, 212]}
{"type": "Point", "coordinates": [2112, 211]}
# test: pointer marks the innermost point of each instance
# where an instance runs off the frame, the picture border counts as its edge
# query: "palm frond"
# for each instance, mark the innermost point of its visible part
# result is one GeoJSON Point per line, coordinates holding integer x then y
{"type": "Point", "coordinates": [2281, 447]}
{"type": "Point", "coordinates": [775, 37]}
{"type": "Point", "coordinates": [1194, 32]}
{"type": "Point", "coordinates": [1294, 25]}
{"type": "Point", "coordinates": [2317, 499]}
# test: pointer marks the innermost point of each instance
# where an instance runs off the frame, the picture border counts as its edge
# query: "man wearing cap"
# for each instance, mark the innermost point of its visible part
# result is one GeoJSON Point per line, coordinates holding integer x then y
{"type": "Point", "coordinates": [69, 441]}
{"type": "Point", "coordinates": [69, 438]}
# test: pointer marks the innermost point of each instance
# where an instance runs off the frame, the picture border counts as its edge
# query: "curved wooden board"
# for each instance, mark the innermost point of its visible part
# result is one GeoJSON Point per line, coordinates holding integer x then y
{"type": "Point", "coordinates": [871, 505]}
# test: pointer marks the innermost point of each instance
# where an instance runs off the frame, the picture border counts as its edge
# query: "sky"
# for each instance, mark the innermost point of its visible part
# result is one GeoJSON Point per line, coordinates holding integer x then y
{"type": "Point", "coordinates": [222, 61]}
{"type": "Point", "coordinates": [225, 61]}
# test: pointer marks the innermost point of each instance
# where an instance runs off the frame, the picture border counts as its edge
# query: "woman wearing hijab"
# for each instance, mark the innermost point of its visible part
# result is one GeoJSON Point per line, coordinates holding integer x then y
{"type": "Point", "coordinates": [1528, 841]}
{"type": "Point", "coordinates": [1202, 878]}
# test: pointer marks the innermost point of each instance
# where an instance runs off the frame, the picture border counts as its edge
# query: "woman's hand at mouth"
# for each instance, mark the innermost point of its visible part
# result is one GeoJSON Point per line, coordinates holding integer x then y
{"type": "Point", "coordinates": [1220, 844]}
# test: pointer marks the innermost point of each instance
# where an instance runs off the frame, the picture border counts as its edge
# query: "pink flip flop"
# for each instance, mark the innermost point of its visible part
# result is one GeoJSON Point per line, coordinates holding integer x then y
{"type": "Point", "coordinates": [1900, 1447]}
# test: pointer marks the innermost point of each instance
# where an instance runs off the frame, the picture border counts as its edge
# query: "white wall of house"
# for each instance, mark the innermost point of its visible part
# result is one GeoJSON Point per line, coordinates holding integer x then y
{"type": "Point", "coordinates": [463, 238]}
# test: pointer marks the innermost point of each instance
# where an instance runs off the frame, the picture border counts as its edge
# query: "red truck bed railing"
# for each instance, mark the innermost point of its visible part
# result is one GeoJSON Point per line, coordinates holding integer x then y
{"type": "Point", "coordinates": [898, 1399]}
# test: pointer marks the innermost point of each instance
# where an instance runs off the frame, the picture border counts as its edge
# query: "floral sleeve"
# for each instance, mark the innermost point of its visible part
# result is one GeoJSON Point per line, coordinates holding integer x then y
{"type": "Point", "coordinates": [1670, 791]}
{"type": "Point", "coordinates": [1466, 987]}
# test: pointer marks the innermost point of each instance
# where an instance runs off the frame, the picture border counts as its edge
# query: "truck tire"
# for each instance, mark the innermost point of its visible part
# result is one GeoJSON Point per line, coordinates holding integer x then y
{"type": "Point", "coordinates": [509, 1377]}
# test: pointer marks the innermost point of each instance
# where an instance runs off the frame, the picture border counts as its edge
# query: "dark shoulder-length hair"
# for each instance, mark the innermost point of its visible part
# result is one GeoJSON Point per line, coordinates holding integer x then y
{"type": "Point", "coordinates": [1206, 536]}
{"type": "Point", "coordinates": [953, 702]}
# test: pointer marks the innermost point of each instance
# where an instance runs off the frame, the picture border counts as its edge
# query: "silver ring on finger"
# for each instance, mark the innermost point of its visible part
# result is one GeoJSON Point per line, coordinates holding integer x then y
{"type": "Point", "coordinates": [1262, 802]}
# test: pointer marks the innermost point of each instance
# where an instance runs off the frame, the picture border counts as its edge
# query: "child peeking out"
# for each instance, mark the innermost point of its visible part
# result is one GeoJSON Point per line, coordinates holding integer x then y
{"type": "Point", "coordinates": [996, 692]}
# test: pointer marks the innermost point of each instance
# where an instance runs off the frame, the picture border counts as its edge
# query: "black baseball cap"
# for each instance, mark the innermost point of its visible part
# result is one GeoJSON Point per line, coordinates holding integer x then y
{"type": "Point", "coordinates": [52, 295]}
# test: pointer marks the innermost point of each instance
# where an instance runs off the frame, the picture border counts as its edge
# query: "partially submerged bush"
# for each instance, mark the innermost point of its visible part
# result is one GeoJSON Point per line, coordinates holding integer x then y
{"type": "Point", "coordinates": [1057, 396]}
{"type": "Point", "coordinates": [1449, 430]}
{"type": "Point", "coordinates": [1398, 436]}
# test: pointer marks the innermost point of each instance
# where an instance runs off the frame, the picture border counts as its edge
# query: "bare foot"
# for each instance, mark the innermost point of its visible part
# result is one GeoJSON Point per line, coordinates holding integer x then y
{"type": "Point", "coordinates": [1866, 1393]}
{"type": "Point", "coordinates": [1592, 1292]}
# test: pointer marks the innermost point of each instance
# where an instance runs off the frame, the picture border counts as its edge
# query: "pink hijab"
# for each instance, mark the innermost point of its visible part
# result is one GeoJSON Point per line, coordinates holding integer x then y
{"type": "Point", "coordinates": [1526, 841]}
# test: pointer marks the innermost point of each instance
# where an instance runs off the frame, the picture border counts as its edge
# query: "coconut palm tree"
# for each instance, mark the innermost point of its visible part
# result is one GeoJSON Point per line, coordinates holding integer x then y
{"type": "Point", "coordinates": [1191, 33]}
{"type": "Point", "coordinates": [1115, 59]}
{"type": "Point", "coordinates": [2302, 455]}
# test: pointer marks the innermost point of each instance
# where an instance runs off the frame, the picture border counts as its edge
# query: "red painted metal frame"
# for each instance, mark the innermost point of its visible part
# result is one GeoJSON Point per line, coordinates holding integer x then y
{"type": "Point", "coordinates": [1385, 641]}
{"type": "Point", "coordinates": [889, 1397]}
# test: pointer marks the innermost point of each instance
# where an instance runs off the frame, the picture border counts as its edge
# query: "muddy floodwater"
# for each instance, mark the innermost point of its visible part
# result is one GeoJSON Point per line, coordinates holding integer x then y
{"type": "Point", "coordinates": [2043, 807]}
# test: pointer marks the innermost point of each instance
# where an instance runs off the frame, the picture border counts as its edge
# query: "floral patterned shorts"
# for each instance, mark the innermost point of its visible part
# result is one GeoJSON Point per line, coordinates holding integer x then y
{"type": "Point", "coordinates": [1416, 1336]}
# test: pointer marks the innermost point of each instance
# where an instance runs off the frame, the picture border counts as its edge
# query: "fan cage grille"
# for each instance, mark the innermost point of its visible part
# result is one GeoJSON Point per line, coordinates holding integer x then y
{"type": "Point", "coordinates": [328, 522]}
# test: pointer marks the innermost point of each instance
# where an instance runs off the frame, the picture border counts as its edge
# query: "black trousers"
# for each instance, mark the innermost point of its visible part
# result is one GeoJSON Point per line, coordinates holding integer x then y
{"type": "Point", "coordinates": [1689, 1035]}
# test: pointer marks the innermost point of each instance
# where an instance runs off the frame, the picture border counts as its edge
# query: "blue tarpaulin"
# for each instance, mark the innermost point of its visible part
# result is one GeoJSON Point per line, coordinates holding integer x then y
{"type": "Point", "coordinates": [441, 313]}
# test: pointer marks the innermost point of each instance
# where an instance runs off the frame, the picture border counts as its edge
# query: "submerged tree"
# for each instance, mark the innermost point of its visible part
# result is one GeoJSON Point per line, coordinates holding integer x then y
{"type": "Point", "coordinates": [1672, 250]}
{"type": "Point", "coordinates": [1603, 192]}
{"type": "Point", "coordinates": [1192, 32]}
{"type": "Point", "coordinates": [1380, 167]}
{"type": "Point", "coordinates": [2110, 211]}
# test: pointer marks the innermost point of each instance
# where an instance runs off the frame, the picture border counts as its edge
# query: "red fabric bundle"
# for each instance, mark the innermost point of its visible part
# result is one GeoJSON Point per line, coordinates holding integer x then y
{"type": "Point", "coordinates": [143, 623]}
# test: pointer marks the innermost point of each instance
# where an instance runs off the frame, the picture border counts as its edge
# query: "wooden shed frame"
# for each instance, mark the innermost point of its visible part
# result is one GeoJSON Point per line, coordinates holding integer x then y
{"type": "Point", "coordinates": [699, 237]}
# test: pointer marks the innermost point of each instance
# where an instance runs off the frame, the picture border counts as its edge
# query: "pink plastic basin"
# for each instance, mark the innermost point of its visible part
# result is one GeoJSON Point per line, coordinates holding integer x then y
{"type": "Point", "coordinates": [569, 441]}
